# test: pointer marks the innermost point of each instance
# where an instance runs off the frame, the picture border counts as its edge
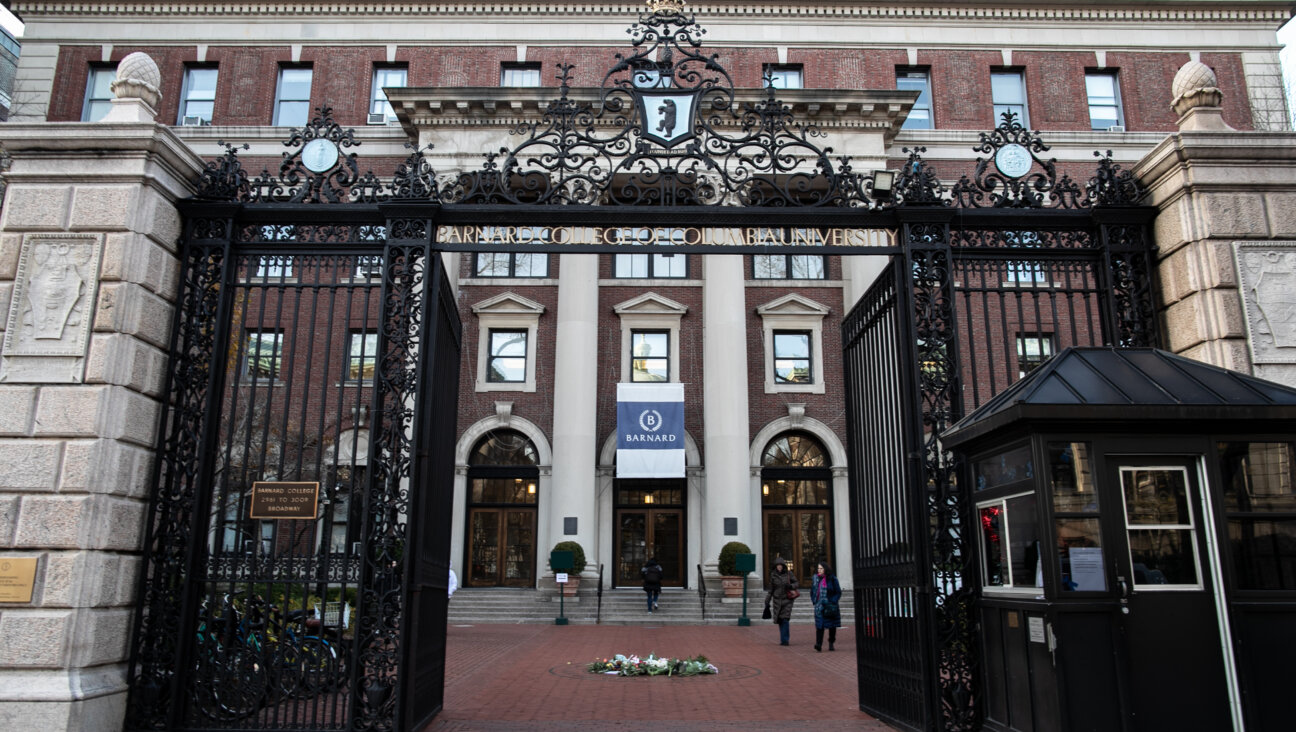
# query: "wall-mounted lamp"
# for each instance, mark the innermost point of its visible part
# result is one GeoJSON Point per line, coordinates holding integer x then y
{"type": "Point", "coordinates": [765, 489]}
{"type": "Point", "coordinates": [531, 488]}
{"type": "Point", "coordinates": [883, 183]}
{"type": "Point", "coordinates": [647, 498]}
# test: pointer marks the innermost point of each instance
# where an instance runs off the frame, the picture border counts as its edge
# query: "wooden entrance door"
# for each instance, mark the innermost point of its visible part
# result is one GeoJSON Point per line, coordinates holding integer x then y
{"type": "Point", "coordinates": [802, 537]}
{"type": "Point", "coordinates": [644, 533]}
{"type": "Point", "coordinates": [501, 547]}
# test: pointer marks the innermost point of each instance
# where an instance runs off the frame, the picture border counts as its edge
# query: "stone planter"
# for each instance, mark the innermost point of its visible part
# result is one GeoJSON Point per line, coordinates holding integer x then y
{"type": "Point", "coordinates": [733, 586]}
{"type": "Point", "coordinates": [573, 584]}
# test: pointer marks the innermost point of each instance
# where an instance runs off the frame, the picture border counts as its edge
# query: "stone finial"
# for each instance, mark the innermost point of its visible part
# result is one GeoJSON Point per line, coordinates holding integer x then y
{"type": "Point", "coordinates": [1197, 98]}
{"type": "Point", "coordinates": [138, 77]}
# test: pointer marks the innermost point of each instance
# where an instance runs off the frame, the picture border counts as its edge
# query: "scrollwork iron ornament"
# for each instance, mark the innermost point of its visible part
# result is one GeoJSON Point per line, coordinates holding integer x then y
{"type": "Point", "coordinates": [224, 178]}
{"type": "Point", "coordinates": [1112, 186]}
{"type": "Point", "coordinates": [316, 169]}
{"type": "Point", "coordinates": [918, 184]}
{"type": "Point", "coordinates": [1014, 175]}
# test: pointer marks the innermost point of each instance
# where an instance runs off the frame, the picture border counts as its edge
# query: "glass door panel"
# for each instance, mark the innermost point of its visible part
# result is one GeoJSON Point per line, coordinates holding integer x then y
{"type": "Point", "coordinates": [668, 546]}
{"type": "Point", "coordinates": [780, 540]}
{"type": "Point", "coordinates": [519, 548]}
{"type": "Point", "coordinates": [813, 545]}
{"type": "Point", "coordinates": [484, 565]}
{"type": "Point", "coordinates": [632, 552]}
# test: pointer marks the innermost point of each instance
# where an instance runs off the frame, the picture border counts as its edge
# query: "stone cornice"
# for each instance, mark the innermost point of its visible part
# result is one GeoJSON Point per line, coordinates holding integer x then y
{"type": "Point", "coordinates": [1183, 11]}
{"type": "Point", "coordinates": [420, 107]}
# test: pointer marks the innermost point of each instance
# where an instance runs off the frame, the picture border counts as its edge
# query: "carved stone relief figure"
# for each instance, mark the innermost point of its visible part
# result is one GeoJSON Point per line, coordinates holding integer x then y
{"type": "Point", "coordinates": [56, 289]}
{"type": "Point", "coordinates": [48, 328]}
{"type": "Point", "coordinates": [1267, 284]}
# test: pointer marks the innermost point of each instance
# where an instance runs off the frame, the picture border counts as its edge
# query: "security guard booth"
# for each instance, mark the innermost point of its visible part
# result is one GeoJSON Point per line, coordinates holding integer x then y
{"type": "Point", "coordinates": [1136, 528]}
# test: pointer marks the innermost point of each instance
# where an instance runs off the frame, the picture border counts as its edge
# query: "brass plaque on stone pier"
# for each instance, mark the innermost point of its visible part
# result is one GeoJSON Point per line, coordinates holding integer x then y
{"type": "Point", "coordinates": [17, 578]}
{"type": "Point", "coordinates": [274, 499]}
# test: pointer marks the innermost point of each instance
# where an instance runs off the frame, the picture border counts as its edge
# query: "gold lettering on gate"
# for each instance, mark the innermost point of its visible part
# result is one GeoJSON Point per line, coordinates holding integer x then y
{"type": "Point", "coordinates": [755, 236]}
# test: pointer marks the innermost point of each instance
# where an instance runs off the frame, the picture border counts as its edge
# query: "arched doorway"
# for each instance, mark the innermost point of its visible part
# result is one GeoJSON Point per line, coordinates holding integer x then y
{"type": "Point", "coordinates": [650, 523]}
{"type": "Point", "coordinates": [503, 491]}
{"type": "Point", "coordinates": [796, 502]}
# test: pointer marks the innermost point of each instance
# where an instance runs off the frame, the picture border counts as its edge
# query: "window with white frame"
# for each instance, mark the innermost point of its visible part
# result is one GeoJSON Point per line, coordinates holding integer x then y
{"type": "Point", "coordinates": [292, 96]}
{"type": "Point", "coordinates": [99, 94]}
{"type": "Point", "coordinates": [385, 76]}
{"type": "Point", "coordinates": [506, 344]}
{"type": "Point", "coordinates": [1033, 349]}
{"type": "Point", "coordinates": [920, 116]}
{"type": "Point", "coordinates": [650, 338]}
{"type": "Point", "coordinates": [1011, 550]}
{"type": "Point", "coordinates": [361, 355]}
{"type": "Point", "coordinates": [649, 266]}
{"type": "Point", "coordinates": [783, 76]}
{"type": "Point", "coordinates": [792, 328]}
{"type": "Point", "coordinates": [792, 357]}
{"type": "Point", "coordinates": [788, 267]}
{"type": "Point", "coordinates": [1103, 92]}
{"type": "Point", "coordinates": [520, 74]}
{"type": "Point", "coordinates": [512, 264]}
{"type": "Point", "coordinates": [650, 355]}
{"type": "Point", "coordinates": [263, 355]}
{"type": "Point", "coordinates": [1008, 90]}
{"type": "Point", "coordinates": [198, 95]}
{"type": "Point", "coordinates": [507, 360]}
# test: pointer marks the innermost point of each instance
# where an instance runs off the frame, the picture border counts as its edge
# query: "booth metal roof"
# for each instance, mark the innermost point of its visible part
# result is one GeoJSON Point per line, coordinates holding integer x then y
{"type": "Point", "coordinates": [1105, 383]}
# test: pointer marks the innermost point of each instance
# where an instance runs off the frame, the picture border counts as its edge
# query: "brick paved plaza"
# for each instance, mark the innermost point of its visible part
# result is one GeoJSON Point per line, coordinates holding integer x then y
{"type": "Point", "coordinates": [533, 677]}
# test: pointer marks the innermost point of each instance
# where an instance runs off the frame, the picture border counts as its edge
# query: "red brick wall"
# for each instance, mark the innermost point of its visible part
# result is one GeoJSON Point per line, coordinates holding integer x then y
{"type": "Point", "coordinates": [67, 98]}
{"type": "Point", "coordinates": [590, 63]}
{"type": "Point", "coordinates": [343, 79]}
{"type": "Point", "coordinates": [849, 68]}
{"type": "Point", "coordinates": [1145, 80]}
{"type": "Point", "coordinates": [1055, 89]}
{"type": "Point", "coordinates": [961, 87]}
{"type": "Point", "coordinates": [1232, 81]}
{"type": "Point", "coordinates": [245, 83]}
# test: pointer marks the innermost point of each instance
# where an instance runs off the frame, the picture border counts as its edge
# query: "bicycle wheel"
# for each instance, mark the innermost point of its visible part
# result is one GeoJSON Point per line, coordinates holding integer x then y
{"type": "Point", "coordinates": [235, 686]}
{"type": "Point", "coordinates": [320, 668]}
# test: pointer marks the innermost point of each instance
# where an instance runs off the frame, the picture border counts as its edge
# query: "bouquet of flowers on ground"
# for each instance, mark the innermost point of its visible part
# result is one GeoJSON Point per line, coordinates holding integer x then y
{"type": "Point", "coordinates": [620, 665]}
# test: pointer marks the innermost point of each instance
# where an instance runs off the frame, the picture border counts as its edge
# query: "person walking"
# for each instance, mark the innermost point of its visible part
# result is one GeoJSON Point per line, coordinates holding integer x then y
{"type": "Point", "coordinates": [825, 592]}
{"type": "Point", "coordinates": [652, 578]}
{"type": "Point", "coordinates": [782, 591]}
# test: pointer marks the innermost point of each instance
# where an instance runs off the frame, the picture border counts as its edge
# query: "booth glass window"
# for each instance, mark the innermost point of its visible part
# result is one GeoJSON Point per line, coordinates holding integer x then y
{"type": "Point", "coordinates": [1010, 543]}
{"type": "Point", "coordinates": [1159, 523]}
{"type": "Point", "coordinates": [1260, 507]}
{"type": "Point", "coordinates": [1081, 564]}
{"type": "Point", "coordinates": [1004, 469]}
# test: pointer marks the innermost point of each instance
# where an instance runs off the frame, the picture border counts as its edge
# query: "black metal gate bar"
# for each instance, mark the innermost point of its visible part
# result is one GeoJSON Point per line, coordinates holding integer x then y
{"type": "Point", "coordinates": [890, 619]}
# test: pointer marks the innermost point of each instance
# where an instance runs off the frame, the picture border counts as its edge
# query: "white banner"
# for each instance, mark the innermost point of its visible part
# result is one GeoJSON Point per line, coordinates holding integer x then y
{"type": "Point", "coordinates": [650, 431]}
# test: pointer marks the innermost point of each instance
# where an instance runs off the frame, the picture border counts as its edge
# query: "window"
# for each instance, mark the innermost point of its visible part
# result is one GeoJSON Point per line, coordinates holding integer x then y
{"type": "Point", "coordinates": [788, 267]}
{"type": "Point", "coordinates": [520, 75]}
{"type": "Point", "coordinates": [263, 354]}
{"type": "Point", "coordinates": [650, 355]}
{"type": "Point", "coordinates": [271, 267]}
{"type": "Point", "coordinates": [506, 342]}
{"type": "Point", "coordinates": [1104, 100]}
{"type": "Point", "coordinates": [649, 266]}
{"type": "Point", "coordinates": [792, 357]}
{"type": "Point", "coordinates": [792, 333]}
{"type": "Point", "coordinates": [1008, 90]}
{"type": "Point", "coordinates": [1160, 525]}
{"type": "Point", "coordinates": [1260, 506]}
{"type": "Point", "coordinates": [368, 266]}
{"type": "Point", "coordinates": [507, 362]}
{"type": "Point", "coordinates": [1075, 515]}
{"type": "Point", "coordinates": [198, 95]}
{"type": "Point", "coordinates": [292, 96]}
{"type": "Point", "coordinates": [510, 264]}
{"type": "Point", "coordinates": [385, 76]}
{"type": "Point", "coordinates": [1010, 544]}
{"type": "Point", "coordinates": [920, 116]}
{"type": "Point", "coordinates": [1033, 349]}
{"type": "Point", "coordinates": [783, 76]}
{"type": "Point", "coordinates": [361, 356]}
{"type": "Point", "coordinates": [99, 94]}
{"type": "Point", "coordinates": [796, 501]}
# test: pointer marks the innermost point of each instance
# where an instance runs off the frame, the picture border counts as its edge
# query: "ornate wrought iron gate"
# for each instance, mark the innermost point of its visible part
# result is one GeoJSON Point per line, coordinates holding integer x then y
{"type": "Point", "coordinates": [312, 366]}
{"type": "Point", "coordinates": [315, 354]}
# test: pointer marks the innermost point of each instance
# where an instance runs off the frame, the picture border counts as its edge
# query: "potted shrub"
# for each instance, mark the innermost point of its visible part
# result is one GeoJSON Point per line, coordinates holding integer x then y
{"type": "Point", "coordinates": [730, 579]}
{"type": "Point", "coordinates": [578, 566]}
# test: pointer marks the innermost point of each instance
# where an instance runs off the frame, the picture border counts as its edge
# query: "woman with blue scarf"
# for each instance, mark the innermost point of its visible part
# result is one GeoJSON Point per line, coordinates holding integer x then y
{"type": "Point", "coordinates": [825, 592]}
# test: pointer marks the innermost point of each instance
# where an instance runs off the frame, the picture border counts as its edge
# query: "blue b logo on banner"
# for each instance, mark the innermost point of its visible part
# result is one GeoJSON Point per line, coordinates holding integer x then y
{"type": "Point", "coordinates": [650, 430]}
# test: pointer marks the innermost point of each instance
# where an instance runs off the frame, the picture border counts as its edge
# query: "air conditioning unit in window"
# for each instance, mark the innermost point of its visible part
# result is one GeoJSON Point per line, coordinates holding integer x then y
{"type": "Point", "coordinates": [377, 118]}
{"type": "Point", "coordinates": [1116, 128]}
{"type": "Point", "coordinates": [193, 121]}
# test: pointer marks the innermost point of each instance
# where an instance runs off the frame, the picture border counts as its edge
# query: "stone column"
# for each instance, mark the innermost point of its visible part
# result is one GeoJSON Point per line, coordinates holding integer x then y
{"type": "Point", "coordinates": [574, 488]}
{"type": "Point", "coordinates": [1226, 198]}
{"type": "Point", "coordinates": [724, 408]}
{"type": "Point", "coordinates": [88, 275]}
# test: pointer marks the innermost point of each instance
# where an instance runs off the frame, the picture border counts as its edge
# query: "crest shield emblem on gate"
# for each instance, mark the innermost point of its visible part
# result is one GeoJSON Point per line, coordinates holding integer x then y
{"type": "Point", "coordinates": [666, 117]}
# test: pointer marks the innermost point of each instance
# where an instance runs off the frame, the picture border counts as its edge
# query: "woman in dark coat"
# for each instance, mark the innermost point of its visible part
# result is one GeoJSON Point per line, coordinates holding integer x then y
{"type": "Point", "coordinates": [825, 592]}
{"type": "Point", "coordinates": [781, 580]}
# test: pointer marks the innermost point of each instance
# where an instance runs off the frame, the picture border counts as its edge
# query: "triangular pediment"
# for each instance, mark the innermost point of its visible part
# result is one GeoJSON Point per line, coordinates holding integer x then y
{"type": "Point", "coordinates": [508, 303]}
{"type": "Point", "coordinates": [650, 303]}
{"type": "Point", "coordinates": [793, 305]}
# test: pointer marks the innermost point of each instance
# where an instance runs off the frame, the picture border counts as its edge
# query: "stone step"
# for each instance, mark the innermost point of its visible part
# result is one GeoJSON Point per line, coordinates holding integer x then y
{"type": "Point", "coordinates": [619, 607]}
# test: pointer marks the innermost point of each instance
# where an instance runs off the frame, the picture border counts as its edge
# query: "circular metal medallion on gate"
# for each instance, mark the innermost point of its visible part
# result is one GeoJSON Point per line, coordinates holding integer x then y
{"type": "Point", "coordinates": [319, 155]}
{"type": "Point", "coordinates": [1013, 160]}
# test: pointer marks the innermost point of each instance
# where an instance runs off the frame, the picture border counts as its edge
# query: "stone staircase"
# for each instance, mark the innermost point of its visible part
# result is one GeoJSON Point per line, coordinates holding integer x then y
{"type": "Point", "coordinates": [625, 606]}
